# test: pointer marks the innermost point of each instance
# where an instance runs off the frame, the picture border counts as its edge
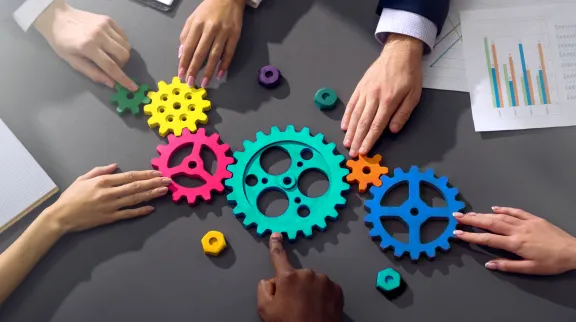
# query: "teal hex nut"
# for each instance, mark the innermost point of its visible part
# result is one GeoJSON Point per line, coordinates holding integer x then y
{"type": "Point", "coordinates": [326, 98]}
{"type": "Point", "coordinates": [388, 280]}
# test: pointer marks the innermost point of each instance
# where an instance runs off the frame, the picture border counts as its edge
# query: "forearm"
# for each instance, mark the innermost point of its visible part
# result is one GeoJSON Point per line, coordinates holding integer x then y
{"type": "Point", "coordinates": [21, 257]}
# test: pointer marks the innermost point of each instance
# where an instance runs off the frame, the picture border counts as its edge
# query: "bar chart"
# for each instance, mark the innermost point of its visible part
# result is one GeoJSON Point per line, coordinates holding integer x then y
{"type": "Point", "coordinates": [511, 76]}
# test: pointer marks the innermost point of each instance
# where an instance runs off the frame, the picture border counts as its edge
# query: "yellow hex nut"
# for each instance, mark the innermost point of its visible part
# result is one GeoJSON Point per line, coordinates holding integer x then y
{"type": "Point", "coordinates": [213, 243]}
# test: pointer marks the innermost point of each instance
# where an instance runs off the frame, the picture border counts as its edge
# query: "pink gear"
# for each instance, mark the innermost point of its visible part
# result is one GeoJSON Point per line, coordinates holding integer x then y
{"type": "Point", "coordinates": [193, 166]}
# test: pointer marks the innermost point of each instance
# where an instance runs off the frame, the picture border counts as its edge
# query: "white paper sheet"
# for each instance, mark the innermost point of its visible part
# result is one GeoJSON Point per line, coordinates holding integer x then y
{"type": "Point", "coordinates": [521, 66]}
{"type": "Point", "coordinates": [24, 183]}
{"type": "Point", "coordinates": [444, 67]}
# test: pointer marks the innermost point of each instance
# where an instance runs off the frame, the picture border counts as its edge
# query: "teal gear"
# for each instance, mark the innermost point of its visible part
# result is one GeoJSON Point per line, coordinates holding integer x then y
{"type": "Point", "coordinates": [298, 145]}
{"type": "Point", "coordinates": [124, 99]}
{"type": "Point", "coordinates": [326, 98]}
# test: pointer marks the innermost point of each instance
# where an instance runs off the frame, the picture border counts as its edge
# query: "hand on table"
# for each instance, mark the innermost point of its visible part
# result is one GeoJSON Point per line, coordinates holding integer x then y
{"type": "Point", "coordinates": [546, 249]}
{"type": "Point", "coordinates": [92, 44]}
{"type": "Point", "coordinates": [386, 95]}
{"type": "Point", "coordinates": [212, 31]}
{"type": "Point", "coordinates": [100, 197]}
{"type": "Point", "coordinates": [297, 295]}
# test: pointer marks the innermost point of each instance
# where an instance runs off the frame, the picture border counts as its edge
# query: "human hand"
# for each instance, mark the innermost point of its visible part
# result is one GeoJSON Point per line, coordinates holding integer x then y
{"type": "Point", "coordinates": [546, 249]}
{"type": "Point", "coordinates": [387, 93]}
{"type": "Point", "coordinates": [297, 295]}
{"type": "Point", "coordinates": [212, 31]}
{"type": "Point", "coordinates": [92, 44]}
{"type": "Point", "coordinates": [100, 197]}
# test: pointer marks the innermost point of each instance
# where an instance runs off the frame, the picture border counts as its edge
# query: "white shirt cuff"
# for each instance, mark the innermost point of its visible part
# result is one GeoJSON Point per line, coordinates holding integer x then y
{"type": "Point", "coordinates": [406, 23]}
{"type": "Point", "coordinates": [253, 3]}
{"type": "Point", "coordinates": [27, 13]}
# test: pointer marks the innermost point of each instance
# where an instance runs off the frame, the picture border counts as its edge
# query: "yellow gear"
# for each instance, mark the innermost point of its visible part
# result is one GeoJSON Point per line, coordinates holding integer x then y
{"type": "Point", "coordinates": [176, 106]}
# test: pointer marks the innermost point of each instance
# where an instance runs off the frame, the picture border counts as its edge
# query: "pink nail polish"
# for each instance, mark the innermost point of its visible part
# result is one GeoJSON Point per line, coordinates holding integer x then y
{"type": "Point", "coordinates": [180, 51]}
{"type": "Point", "coordinates": [491, 265]}
{"type": "Point", "coordinates": [190, 81]}
{"type": "Point", "coordinates": [458, 215]}
{"type": "Point", "coordinates": [181, 73]}
{"type": "Point", "coordinates": [204, 82]}
{"type": "Point", "coordinates": [347, 142]}
{"type": "Point", "coordinates": [220, 75]}
{"type": "Point", "coordinates": [458, 232]}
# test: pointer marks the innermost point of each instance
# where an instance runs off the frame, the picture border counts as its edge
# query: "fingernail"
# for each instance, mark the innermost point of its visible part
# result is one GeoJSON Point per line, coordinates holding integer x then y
{"type": "Point", "coordinates": [190, 81]}
{"type": "Point", "coordinates": [150, 209]}
{"type": "Point", "coordinates": [458, 232]}
{"type": "Point", "coordinates": [180, 51]}
{"type": "Point", "coordinates": [181, 73]}
{"type": "Point", "coordinates": [458, 214]}
{"type": "Point", "coordinates": [471, 214]}
{"type": "Point", "coordinates": [495, 208]}
{"type": "Point", "coordinates": [363, 151]}
{"type": "Point", "coordinates": [220, 75]}
{"type": "Point", "coordinates": [353, 153]}
{"type": "Point", "coordinates": [109, 84]}
{"type": "Point", "coordinates": [133, 87]}
{"type": "Point", "coordinates": [204, 82]}
{"type": "Point", "coordinates": [166, 181]}
{"type": "Point", "coordinates": [347, 142]}
{"type": "Point", "coordinates": [491, 265]}
{"type": "Point", "coordinates": [394, 127]}
{"type": "Point", "coordinates": [162, 190]}
{"type": "Point", "coordinates": [276, 236]}
{"type": "Point", "coordinates": [157, 173]}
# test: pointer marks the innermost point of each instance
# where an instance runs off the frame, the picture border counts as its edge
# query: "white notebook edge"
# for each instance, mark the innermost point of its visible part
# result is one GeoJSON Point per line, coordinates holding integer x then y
{"type": "Point", "coordinates": [29, 209]}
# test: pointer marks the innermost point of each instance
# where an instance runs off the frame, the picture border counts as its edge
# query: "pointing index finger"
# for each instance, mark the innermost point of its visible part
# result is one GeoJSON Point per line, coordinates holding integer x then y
{"type": "Point", "coordinates": [278, 255]}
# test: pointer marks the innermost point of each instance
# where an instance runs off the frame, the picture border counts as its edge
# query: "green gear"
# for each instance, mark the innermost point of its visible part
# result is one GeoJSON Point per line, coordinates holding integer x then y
{"type": "Point", "coordinates": [306, 153]}
{"type": "Point", "coordinates": [127, 100]}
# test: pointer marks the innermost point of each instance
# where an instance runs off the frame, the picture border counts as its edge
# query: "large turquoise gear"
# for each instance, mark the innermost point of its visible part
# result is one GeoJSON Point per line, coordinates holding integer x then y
{"type": "Point", "coordinates": [414, 212]}
{"type": "Point", "coordinates": [323, 159]}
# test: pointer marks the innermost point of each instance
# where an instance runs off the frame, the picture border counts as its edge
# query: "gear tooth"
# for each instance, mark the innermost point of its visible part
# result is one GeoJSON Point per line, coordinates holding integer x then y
{"type": "Point", "coordinates": [319, 137]}
{"type": "Point", "coordinates": [307, 232]}
{"type": "Point", "coordinates": [332, 146]}
{"type": "Point", "coordinates": [414, 169]}
{"type": "Point", "coordinates": [247, 144]}
{"type": "Point", "coordinates": [292, 235]}
{"type": "Point", "coordinates": [148, 109]}
{"type": "Point", "coordinates": [155, 163]}
{"type": "Point", "coordinates": [429, 173]}
{"type": "Point", "coordinates": [350, 163]}
{"type": "Point", "coordinates": [377, 158]}
{"type": "Point", "coordinates": [274, 130]}
{"type": "Point", "coordinates": [344, 172]}
{"type": "Point", "coordinates": [290, 128]}
{"type": "Point", "coordinates": [201, 132]}
{"type": "Point", "coordinates": [305, 131]}
{"type": "Point", "coordinates": [398, 172]}
{"type": "Point", "coordinates": [248, 222]}
{"type": "Point", "coordinates": [171, 138]}
{"type": "Point", "coordinates": [191, 199]}
{"type": "Point", "coordinates": [339, 158]}
{"type": "Point", "coordinates": [162, 85]}
{"type": "Point", "coordinates": [321, 225]}
{"type": "Point", "coordinates": [177, 131]}
{"type": "Point", "coordinates": [443, 181]}
{"type": "Point", "coordinates": [175, 81]}
{"type": "Point", "coordinates": [431, 252]}
{"type": "Point", "coordinates": [374, 233]}
{"type": "Point", "coordinates": [414, 255]}
{"type": "Point", "coordinates": [260, 230]}
{"type": "Point", "coordinates": [445, 245]}
{"type": "Point", "coordinates": [332, 215]}
{"type": "Point", "coordinates": [260, 135]}
{"type": "Point", "coordinates": [398, 252]}
{"type": "Point", "coordinates": [341, 201]}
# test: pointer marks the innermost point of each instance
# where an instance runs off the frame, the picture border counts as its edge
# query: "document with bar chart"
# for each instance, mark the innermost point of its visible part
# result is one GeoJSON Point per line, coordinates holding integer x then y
{"type": "Point", "coordinates": [521, 67]}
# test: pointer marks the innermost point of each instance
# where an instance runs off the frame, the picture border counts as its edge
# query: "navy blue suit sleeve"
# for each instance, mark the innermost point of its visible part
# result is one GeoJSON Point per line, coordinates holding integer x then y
{"type": "Point", "coordinates": [434, 10]}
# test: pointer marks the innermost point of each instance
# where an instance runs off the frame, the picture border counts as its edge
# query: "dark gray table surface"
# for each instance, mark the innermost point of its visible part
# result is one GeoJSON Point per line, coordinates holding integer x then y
{"type": "Point", "coordinates": [153, 269]}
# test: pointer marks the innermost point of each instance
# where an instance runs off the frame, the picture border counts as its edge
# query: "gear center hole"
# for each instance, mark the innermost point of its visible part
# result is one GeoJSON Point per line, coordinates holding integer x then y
{"type": "Point", "coordinates": [192, 164]}
{"type": "Point", "coordinates": [176, 106]}
{"type": "Point", "coordinates": [325, 96]}
{"type": "Point", "coordinates": [213, 240]}
{"type": "Point", "coordinates": [130, 95]}
{"type": "Point", "coordinates": [287, 180]}
{"type": "Point", "coordinates": [414, 212]}
{"type": "Point", "coordinates": [268, 74]}
{"type": "Point", "coordinates": [366, 170]}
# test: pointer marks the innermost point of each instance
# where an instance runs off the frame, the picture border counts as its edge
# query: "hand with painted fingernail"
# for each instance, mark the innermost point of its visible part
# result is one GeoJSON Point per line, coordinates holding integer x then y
{"type": "Point", "coordinates": [297, 295]}
{"type": "Point", "coordinates": [385, 96]}
{"type": "Point", "coordinates": [210, 36]}
{"type": "Point", "coordinates": [92, 44]}
{"type": "Point", "coordinates": [545, 249]}
{"type": "Point", "coordinates": [101, 197]}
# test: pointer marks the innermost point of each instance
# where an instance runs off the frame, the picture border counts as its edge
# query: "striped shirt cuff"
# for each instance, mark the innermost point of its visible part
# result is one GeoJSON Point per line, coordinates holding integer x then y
{"type": "Point", "coordinates": [406, 23]}
{"type": "Point", "coordinates": [29, 11]}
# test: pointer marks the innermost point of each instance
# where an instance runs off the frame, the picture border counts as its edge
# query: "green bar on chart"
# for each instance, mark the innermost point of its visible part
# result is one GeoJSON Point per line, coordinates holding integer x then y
{"type": "Point", "coordinates": [488, 64]}
{"type": "Point", "coordinates": [524, 92]}
{"type": "Point", "coordinates": [539, 89]}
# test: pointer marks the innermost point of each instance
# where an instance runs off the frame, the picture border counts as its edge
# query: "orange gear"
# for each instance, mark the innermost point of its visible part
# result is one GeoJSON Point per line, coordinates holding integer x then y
{"type": "Point", "coordinates": [366, 171]}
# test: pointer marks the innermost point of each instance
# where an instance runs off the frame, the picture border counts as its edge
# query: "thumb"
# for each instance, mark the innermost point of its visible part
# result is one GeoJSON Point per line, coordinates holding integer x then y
{"type": "Point", "coordinates": [266, 290]}
{"type": "Point", "coordinates": [513, 266]}
{"type": "Point", "coordinates": [98, 171]}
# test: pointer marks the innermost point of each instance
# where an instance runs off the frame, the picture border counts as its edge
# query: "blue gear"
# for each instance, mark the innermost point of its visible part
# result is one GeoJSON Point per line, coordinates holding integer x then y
{"type": "Point", "coordinates": [406, 212]}
{"type": "Point", "coordinates": [323, 159]}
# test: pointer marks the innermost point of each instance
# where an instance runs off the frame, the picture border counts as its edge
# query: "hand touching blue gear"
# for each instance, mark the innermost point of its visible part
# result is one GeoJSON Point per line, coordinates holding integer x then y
{"type": "Point", "coordinates": [414, 212]}
{"type": "Point", "coordinates": [298, 145]}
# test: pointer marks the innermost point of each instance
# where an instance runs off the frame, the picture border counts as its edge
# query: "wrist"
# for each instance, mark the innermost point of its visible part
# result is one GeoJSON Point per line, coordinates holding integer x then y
{"type": "Point", "coordinates": [571, 265]}
{"type": "Point", "coordinates": [46, 18]}
{"type": "Point", "coordinates": [49, 220]}
{"type": "Point", "coordinates": [405, 45]}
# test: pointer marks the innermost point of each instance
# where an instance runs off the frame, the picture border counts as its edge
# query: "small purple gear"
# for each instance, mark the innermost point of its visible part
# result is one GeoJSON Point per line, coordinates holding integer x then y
{"type": "Point", "coordinates": [269, 76]}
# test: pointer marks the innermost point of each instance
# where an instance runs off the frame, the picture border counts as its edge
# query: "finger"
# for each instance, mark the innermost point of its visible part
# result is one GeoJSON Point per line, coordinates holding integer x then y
{"type": "Point", "coordinates": [213, 59]}
{"type": "Point", "coordinates": [403, 113]}
{"type": "Point", "coordinates": [186, 29]}
{"type": "Point", "coordinates": [140, 186]}
{"type": "Point", "coordinates": [505, 218]}
{"type": "Point", "coordinates": [118, 53]}
{"type": "Point", "coordinates": [485, 239]}
{"type": "Point", "coordinates": [485, 222]}
{"type": "Point", "coordinates": [200, 55]}
{"type": "Point", "coordinates": [364, 124]}
{"type": "Point", "coordinates": [513, 266]}
{"type": "Point", "coordinates": [129, 177]}
{"type": "Point", "coordinates": [98, 171]}
{"type": "Point", "coordinates": [118, 30]}
{"type": "Point", "coordinates": [110, 67]}
{"type": "Point", "coordinates": [266, 290]}
{"type": "Point", "coordinates": [119, 39]}
{"type": "Point", "coordinates": [133, 213]}
{"type": "Point", "coordinates": [278, 255]}
{"type": "Point", "coordinates": [90, 70]}
{"type": "Point", "coordinates": [228, 54]}
{"type": "Point", "coordinates": [376, 128]}
{"type": "Point", "coordinates": [352, 125]}
{"type": "Point", "coordinates": [189, 49]}
{"type": "Point", "coordinates": [140, 197]}
{"type": "Point", "coordinates": [518, 213]}
{"type": "Point", "coordinates": [349, 108]}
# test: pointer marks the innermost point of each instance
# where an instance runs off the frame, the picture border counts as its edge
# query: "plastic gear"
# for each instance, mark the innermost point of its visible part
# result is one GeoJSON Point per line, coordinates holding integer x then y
{"type": "Point", "coordinates": [127, 100]}
{"type": "Point", "coordinates": [177, 106]}
{"type": "Point", "coordinates": [306, 153]}
{"type": "Point", "coordinates": [414, 212]}
{"type": "Point", "coordinates": [193, 166]}
{"type": "Point", "coordinates": [366, 171]}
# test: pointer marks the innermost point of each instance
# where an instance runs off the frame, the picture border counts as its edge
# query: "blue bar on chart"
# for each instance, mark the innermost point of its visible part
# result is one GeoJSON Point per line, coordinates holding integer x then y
{"type": "Point", "coordinates": [512, 93]}
{"type": "Point", "coordinates": [495, 84]}
{"type": "Point", "coordinates": [543, 87]}
{"type": "Point", "coordinates": [525, 72]}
